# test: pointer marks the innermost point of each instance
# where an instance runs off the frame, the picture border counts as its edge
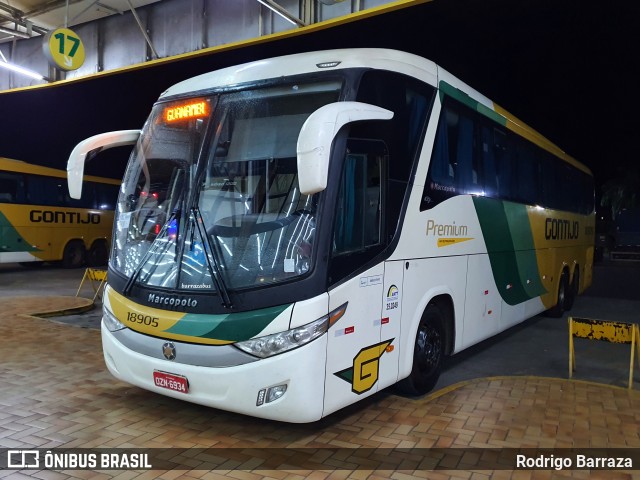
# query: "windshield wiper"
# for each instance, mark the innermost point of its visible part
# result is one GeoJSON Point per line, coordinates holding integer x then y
{"type": "Point", "coordinates": [212, 259]}
{"type": "Point", "coordinates": [151, 251]}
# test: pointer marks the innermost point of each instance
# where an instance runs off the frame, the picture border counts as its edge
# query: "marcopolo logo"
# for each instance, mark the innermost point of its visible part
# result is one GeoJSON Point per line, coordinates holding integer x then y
{"type": "Point", "coordinates": [172, 301]}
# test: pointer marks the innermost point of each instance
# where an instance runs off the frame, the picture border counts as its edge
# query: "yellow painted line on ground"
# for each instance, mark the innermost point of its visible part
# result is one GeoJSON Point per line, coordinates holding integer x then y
{"type": "Point", "coordinates": [465, 383]}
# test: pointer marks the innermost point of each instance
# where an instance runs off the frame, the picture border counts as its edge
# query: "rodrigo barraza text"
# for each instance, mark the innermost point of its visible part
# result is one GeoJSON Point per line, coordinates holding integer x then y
{"type": "Point", "coordinates": [547, 462]}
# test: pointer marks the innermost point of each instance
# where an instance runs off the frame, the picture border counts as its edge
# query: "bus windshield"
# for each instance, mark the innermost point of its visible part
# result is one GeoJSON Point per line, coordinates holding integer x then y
{"type": "Point", "coordinates": [211, 192]}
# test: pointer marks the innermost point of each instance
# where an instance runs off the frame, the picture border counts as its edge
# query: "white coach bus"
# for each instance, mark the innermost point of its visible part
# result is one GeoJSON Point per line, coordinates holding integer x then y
{"type": "Point", "coordinates": [295, 234]}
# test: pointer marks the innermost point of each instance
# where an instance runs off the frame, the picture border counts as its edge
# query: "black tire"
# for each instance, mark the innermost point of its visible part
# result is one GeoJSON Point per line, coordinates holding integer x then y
{"type": "Point", "coordinates": [98, 255]}
{"type": "Point", "coordinates": [572, 292]}
{"type": "Point", "coordinates": [74, 254]}
{"type": "Point", "coordinates": [428, 353]}
{"type": "Point", "coordinates": [561, 300]}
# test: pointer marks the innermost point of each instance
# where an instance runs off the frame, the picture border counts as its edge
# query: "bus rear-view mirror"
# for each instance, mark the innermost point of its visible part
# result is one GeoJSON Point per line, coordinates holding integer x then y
{"type": "Point", "coordinates": [317, 135]}
{"type": "Point", "coordinates": [88, 148]}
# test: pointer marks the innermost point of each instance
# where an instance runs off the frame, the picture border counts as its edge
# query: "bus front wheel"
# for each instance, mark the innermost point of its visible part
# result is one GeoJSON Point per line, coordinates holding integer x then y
{"type": "Point", "coordinates": [428, 353]}
{"type": "Point", "coordinates": [74, 254]}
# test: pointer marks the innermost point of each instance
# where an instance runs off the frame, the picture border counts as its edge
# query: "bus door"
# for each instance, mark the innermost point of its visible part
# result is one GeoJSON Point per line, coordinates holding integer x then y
{"type": "Point", "coordinates": [356, 349]}
{"type": "Point", "coordinates": [353, 346]}
{"type": "Point", "coordinates": [390, 322]}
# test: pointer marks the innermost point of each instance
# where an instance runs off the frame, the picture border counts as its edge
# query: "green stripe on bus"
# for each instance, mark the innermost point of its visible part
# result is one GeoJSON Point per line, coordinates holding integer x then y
{"type": "Point", "coordinates": [12, 241]}
{"type": "Point", "coordinates": [509, 240]}
{"type": "Point", "coordinates": [462, 97]}
{"type": "Point", "coordinates": [234, 327]}
{"type": "Point", "coordinates": [526, 259]}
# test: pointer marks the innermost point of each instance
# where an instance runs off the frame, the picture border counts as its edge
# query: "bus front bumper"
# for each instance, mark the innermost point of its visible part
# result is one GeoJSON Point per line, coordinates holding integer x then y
{"type": "Point", "coordinates": [241, 389]}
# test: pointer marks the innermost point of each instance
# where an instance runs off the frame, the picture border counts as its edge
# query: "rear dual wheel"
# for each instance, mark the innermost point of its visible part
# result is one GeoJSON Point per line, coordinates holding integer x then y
{"type": "Point", "coordinates": [572, 293]}
{"type": "Point", "coordinates": [74, 254]}
{"type": "Point", "coordinates": [567, 293]}
{"type": "Point", "coordinates": [98, 254]}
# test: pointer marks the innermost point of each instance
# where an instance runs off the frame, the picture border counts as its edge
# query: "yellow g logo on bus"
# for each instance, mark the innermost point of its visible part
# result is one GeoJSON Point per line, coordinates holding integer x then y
{"type": "Point", "coordinates": [363, 375]}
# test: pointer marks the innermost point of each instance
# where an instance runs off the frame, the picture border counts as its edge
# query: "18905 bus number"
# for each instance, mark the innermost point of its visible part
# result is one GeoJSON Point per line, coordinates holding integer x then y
{"type": "Point", "coordinates": [148, 320]}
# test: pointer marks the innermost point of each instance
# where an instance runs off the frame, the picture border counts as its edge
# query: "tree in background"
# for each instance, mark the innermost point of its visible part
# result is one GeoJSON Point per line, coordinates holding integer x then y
{"type": "Point", "coordinates": [622, 191]}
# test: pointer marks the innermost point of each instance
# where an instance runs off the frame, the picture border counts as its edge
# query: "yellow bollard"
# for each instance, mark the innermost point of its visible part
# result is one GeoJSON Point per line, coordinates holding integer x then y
{"type": "Point", "coordinates": [97, 278]}
{"type": "Point", "coordinates": [615, 332]}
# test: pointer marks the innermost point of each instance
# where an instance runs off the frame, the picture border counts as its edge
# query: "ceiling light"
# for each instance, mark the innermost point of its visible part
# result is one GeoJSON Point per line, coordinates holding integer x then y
{"type": "Point", "coordinates": [21, 70]}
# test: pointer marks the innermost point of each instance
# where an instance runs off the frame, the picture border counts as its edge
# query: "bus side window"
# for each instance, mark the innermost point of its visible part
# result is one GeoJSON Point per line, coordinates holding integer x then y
{"type": "Point", "coordinates": [411, 102]}
{"type": "Point", "coordinates": [11, 185]}
{"type": "Point", "coordinates": [488, 154]}
{"type": "Point", "coordinates": [38, 191]}
{"type": "Point", "coordinates": [359, 221]}
{"type": "Point", "coordinates": [106, 196]}
{"type": "Point", "coordinates": [527, 174]}
{"type": "Point", "coordinates": [86, 201]}
{"type": "Point", "coordinates": [440, 180]}
{"type": "Point", "coordinates": [504, 163]}
{"type": "Point", "coordinates": [455, 162]}
{"type": "Point", "coordinates": [466, 176]}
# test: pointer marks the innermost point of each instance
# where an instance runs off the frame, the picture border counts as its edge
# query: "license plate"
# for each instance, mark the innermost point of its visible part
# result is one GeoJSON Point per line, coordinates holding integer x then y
{"type": "Point", "coordinates": [177, 383]}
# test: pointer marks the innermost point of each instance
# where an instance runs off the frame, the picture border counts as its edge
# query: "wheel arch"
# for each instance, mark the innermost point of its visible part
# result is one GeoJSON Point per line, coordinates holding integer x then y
{"type": "Point", "coordinates": [443, 298]}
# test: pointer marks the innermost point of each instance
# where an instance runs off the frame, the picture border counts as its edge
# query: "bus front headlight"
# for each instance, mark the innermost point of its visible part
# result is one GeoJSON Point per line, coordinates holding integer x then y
{"type": "Point", "coordinates": [110, 320]}
{"type": "Point", "coordinates": [270, 345]}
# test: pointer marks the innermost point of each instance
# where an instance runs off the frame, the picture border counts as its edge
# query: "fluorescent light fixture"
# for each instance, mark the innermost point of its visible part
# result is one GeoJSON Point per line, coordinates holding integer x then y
{"type": "Point", "coordinates": [21, 70]}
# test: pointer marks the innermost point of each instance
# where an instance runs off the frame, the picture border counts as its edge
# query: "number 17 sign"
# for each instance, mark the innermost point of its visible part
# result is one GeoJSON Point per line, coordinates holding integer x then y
{"type": "Point", "coordinates": [64, 49]}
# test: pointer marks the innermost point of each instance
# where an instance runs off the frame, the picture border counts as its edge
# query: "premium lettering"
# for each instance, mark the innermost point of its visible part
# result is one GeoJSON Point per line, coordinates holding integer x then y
{"type": "Point", "coordinates": [448, 230]}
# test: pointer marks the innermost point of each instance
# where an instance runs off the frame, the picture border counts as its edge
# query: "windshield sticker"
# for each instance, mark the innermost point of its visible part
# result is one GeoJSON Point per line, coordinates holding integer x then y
{"type": "Point", "coordinates": [369, 281]}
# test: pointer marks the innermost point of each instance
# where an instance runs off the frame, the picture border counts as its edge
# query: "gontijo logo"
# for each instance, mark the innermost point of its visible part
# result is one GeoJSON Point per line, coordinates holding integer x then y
{"type": "Point", "coordinates": [561, 229]}
{"type": "Point", "coordinates": [448, 233]}
{"type": "Point", "coordinates": [364, 372]}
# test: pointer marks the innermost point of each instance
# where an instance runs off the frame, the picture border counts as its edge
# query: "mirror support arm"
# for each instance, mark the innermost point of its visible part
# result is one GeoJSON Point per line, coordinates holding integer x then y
{"type": "Point", "coordinates": [92, 145]}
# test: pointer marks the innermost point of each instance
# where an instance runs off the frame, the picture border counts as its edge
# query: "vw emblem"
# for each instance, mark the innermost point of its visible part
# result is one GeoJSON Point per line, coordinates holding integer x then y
{"type": "Point", "coordinates": [169, 351]}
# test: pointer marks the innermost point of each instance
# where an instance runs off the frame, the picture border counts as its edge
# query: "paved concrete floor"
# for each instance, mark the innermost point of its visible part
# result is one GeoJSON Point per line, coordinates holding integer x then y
{"type": "Point", "coordinates": [55, 392]}
{"type": "Point", "coordinates": [539, 346]}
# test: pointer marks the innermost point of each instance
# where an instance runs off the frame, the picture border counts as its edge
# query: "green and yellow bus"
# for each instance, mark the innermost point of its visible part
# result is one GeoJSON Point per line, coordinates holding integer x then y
{"type": "Point", "coordinates": [40, 222]}
{"type": "Point", "coordinates": [296, 234]}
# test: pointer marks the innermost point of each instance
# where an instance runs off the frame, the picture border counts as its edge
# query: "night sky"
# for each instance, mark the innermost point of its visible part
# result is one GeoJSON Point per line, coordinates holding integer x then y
{"type": "Point", "coordinates": [570, 69]}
